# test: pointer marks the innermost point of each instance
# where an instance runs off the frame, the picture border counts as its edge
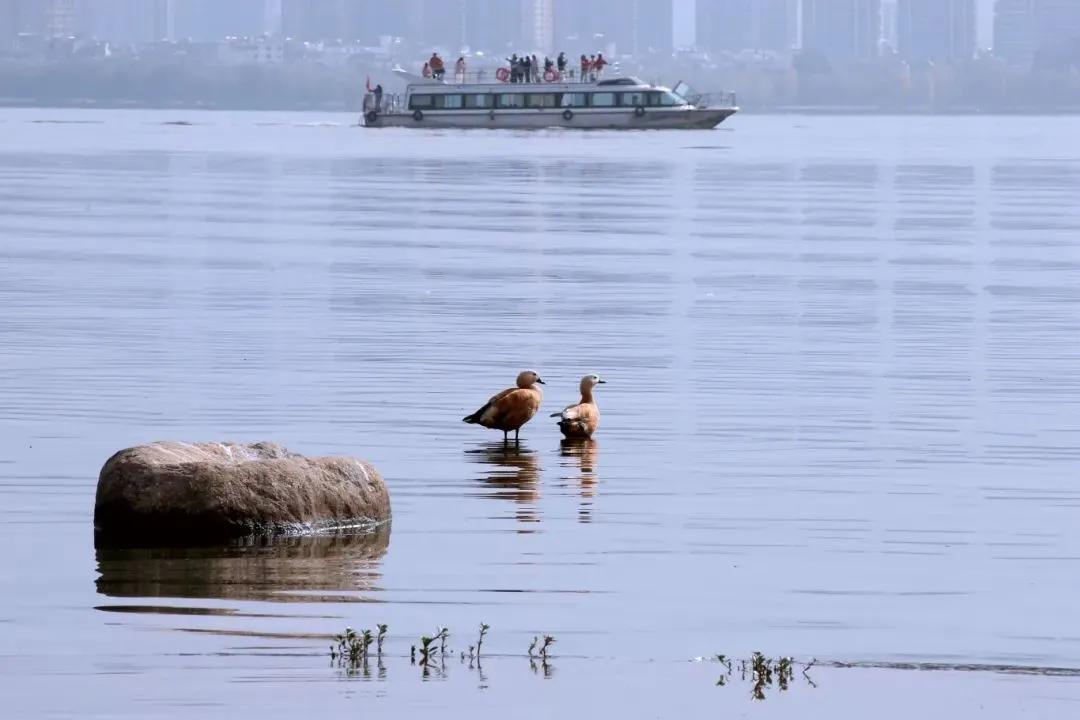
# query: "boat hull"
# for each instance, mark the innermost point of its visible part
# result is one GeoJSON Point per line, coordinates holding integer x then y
{"type": "Point", "coordinates": [583, 119]}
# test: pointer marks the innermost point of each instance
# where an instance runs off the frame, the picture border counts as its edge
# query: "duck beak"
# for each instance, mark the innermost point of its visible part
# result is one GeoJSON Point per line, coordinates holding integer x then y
{"type": "Point", "coordinates": [601, 382]}
{"type": "Point", "coordinates": [541, 381]}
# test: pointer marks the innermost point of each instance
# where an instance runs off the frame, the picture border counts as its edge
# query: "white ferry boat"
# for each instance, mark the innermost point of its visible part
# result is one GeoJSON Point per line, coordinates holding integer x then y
{"type": "Point", "coordinates": [621, 103]}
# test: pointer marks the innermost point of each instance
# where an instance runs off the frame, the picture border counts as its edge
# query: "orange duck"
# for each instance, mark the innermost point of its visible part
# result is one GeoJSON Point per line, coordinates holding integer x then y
{"type": "Point", "coordinates": [512, 408]}
{"type": "Point", "coordinates": [581, 420]}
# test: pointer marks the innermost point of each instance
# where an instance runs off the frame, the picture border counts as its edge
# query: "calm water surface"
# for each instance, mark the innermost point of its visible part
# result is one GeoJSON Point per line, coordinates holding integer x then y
{"type": "Point", "coordinates": [842, 417]}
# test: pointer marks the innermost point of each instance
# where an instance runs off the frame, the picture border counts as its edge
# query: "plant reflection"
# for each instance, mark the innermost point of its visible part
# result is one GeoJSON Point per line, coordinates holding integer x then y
{"type": "Point", "coordinates": [763, 673]}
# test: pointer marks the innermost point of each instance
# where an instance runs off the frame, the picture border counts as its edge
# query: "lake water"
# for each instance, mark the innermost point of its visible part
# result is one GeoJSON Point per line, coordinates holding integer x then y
{"type": "Point", "coordinates": [842, 418]}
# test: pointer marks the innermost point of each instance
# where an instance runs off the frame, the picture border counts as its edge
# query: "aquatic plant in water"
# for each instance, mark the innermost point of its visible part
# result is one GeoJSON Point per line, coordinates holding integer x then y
{"type": "Point", "coordinates": [382, 636]}
{"type": "Point", "coordinates": [763, 672]}
{"type": "Point", "coordinates": [442, 635]}
{"type": "Point", "coordinates": [426, 650]}
{"type": "Point", "coordinates": [480, 642]}
{"type": "Point", "coordinates": [350, 646]}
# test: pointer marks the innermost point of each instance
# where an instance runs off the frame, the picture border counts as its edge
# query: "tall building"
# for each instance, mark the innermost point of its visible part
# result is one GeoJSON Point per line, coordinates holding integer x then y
{"type": "Point", "coordinates": [493, 25]}
{"type": "Point", "coordinates": [936, 30]}
{"type": "Point", "coordinates": [1057, 25]}
{"type": "Point", "coordinates": [1024, 28]}
{"type": "Point", "coordinates": [9, 23]}
{"type": "Point", "coordinates": [318, 19]}
{"type": "Point", "coordinates": [630, 27]}
{"type": "Point", "coordinates": [61, 18]}
{"type": "Point", "coordinates": [22, 16]}
{"type": "Point", "coordinates": [842, 30]}
{"type": "Point", "coordinates": [647, 27]}
{"type": "Point", "coordinates": [747, 24]}
{"type": "Point", "coordinates": [889, 30]}
{"type": "Point", "coordinates": [216, 19]}
{"type": "Point", "coordinates": [126, 21]}
{"type": "Point", "coordinates": [538, 25]}
{"type": "Point", "coordinates": [1014, 30]}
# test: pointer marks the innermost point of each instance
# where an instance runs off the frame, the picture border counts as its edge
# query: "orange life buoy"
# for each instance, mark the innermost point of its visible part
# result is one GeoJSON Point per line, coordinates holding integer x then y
{"type": "Point", "coordinates": [502, 74]}
{"type": "Point", "coordinates": [551, 76]}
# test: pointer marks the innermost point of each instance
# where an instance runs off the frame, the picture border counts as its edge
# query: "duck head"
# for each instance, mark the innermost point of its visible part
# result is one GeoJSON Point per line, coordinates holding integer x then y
{"type": "Point", "coordinates": [590, 381]}
{"type": "Point", "coordinates": [529, 378]}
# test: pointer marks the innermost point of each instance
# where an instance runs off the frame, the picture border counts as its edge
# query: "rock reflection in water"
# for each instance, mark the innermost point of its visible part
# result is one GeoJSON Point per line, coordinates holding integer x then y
{"type": "Point", "coordinates": [582, 456]}
{"type": "Point", "coordinates": [513, 473]}
{"type": "Point", "coordinates": [256, 569]}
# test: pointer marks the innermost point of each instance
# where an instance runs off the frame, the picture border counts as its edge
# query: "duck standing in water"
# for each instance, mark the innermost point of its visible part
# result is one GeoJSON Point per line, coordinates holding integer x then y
{"type": "Point", "coordinates": [511, 408]}
{"type": "Point", "coordinates": [580, 421]}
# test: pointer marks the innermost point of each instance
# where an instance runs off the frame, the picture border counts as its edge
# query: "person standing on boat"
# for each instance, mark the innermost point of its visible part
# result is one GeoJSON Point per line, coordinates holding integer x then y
{"type": "Point", "coordinates": [377, 92]}
{"type": "Point", "coordinates": [438, 68]}
{"type": "Point", "coordinates": [526, 65]}
{"type": "Point", "coordinates": [536, 74]}
{"type": "Point", "coordinates": [598, 66]}
{"type": "Point", "coordinates": [515, 68]}
{"type": "Point", "coordinates": [426, 72]}
{"type": "Point", "coordinates": [459, 69]}
{"type": "Point", "coordinates": [560, 63]}
{"type": "Point", "coordinates": [585, 66]}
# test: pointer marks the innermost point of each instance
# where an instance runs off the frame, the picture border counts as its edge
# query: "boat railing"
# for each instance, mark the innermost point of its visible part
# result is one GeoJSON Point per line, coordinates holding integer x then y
{"type": "Point", "coordinates": [714, 100]}
{"type": "Point", "coordinates": [386, 104]}
{"type": "Point", "coordinates": [504, 75]}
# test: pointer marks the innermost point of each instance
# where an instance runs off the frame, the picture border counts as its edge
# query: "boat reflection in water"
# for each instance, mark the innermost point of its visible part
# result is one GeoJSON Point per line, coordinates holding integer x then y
{"type": "Point", "coordinates": [289, 569]}
{"type": "Point", "coordinates": [512, 472]}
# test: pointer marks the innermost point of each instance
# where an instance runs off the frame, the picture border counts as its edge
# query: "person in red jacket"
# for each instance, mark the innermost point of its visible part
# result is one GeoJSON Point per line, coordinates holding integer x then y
{"type": "Point", "coordinates": [598, 66]}
{"type": "Point", "coordinates": [438, 68]}
{"type": "Point", "coordinates": [585, 67]}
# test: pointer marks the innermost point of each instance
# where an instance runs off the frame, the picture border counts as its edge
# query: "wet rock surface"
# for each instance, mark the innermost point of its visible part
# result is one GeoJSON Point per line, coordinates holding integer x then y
{"type": "Point", "coordinates": [201, 492]}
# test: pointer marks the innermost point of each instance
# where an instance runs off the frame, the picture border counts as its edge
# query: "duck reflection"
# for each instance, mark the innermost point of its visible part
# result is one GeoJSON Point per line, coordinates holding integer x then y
{"type": "Point", "coordinates": [297, 569]}
{"type": "Point", "coordinates": [511, 473]}
{"type": "Point", "coordinates": [582, 455]}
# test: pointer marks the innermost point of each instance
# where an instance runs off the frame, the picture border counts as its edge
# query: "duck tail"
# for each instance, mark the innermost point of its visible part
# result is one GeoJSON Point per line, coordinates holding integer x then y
{"type": "Point", "coordinates": [474, 419]}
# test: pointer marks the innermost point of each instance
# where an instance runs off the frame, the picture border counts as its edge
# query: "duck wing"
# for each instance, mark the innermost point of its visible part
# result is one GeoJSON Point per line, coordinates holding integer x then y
{"type": "Point", "coordinates": [514, 409]}
{"type": "Point", "coordinates": [570, 412]}
{"type": "Point", "coordinates": [488, 408]}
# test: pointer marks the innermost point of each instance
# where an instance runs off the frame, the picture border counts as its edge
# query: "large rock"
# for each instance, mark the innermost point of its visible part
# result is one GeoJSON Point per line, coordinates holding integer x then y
{"type": "Point", "coordinates": [200, 492]}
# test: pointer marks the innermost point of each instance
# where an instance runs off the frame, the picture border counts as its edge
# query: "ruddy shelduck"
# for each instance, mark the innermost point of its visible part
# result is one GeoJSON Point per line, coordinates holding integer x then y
{"type": "Point", "coordinates": [581, 420]}
{"type": "Point", "coordinates": [511, 408]}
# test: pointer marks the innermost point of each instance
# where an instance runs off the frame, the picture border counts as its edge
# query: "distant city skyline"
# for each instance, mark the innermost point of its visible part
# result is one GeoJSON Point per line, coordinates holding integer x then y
{"type": "Point", "coordinates": [840, 29]}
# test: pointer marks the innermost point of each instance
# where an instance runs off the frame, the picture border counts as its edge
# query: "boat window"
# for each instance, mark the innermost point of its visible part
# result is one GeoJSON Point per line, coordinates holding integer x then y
{"type": "Point", "coordinates": [663, 99]}
{"type": "Point", "coordinates": [573, 100]}
{"type": "Point", "coordinates": [510, 100]}
{"type": "Point", "coordinates": [541, 100]}
{"type": "Point", "coordinates": [602, 99]}
{"type": "Point", "coordinates": [448, 102]}
{"type": "Point", "coordinates": [632, 99]}
{"type": "Point", "coordinates": [421, 102]}
{"type": "Point", "coordinates": [478, 101]}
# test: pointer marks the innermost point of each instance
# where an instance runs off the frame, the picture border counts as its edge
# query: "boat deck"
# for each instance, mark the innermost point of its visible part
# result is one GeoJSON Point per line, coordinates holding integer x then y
{"type": "Point", "coordinates": [600, 103]}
